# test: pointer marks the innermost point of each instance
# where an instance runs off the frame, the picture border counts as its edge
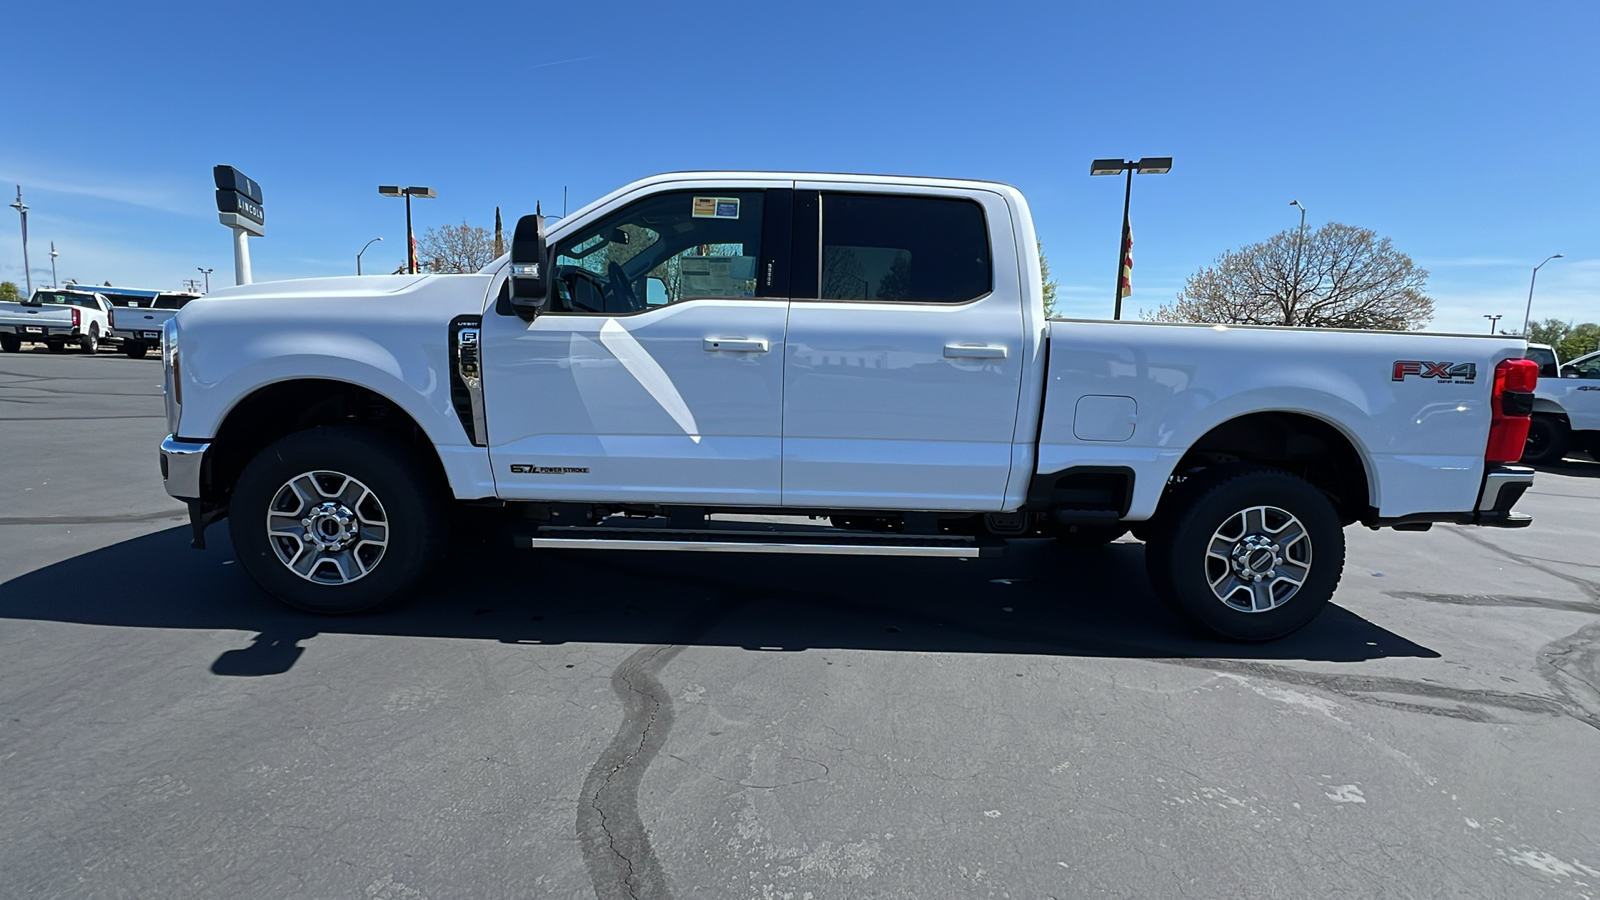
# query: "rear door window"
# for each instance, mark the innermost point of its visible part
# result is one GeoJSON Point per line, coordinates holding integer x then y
{"type": "Point", "coordinates": [902, 247]}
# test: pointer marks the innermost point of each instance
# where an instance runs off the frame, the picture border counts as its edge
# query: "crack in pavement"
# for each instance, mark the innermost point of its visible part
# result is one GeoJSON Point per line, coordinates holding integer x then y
{"type": "Point", "coordinates": [93, 520]}
{"type": "Point", "coordinates": [616, 845]}
{"type": "Point", "coordinates": [1577, 606]}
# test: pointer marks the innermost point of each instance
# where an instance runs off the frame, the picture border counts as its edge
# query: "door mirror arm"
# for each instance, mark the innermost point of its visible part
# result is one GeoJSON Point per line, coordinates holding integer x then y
{"type": "Point", "coordinates": [530, 267]}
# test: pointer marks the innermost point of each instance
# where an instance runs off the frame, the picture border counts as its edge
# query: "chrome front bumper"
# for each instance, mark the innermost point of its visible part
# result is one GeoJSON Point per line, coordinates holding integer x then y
{"type": "Point", "coordinates": [181, 463]}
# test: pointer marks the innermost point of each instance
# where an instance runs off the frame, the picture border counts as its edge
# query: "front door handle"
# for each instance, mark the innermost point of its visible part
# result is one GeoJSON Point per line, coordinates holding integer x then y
{"type": "Point", "coordinates": [975, 351]}
{"type": "Point", "coordinates": [736, 345]}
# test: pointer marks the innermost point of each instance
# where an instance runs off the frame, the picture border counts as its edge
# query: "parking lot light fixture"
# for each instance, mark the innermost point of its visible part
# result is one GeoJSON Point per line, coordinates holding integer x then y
{"type": "Point", "coordinates": [393, 190]}
{"type": "Point", "coordinates": [364, 250]}
{"type": "Point", "coordinates": [22, 209]}
{"type": "Point", "coordinates": [53, 255]}
{"type": "Point", "coordinates": [1149, 165]}
{"type": "Point", "coordinates": [207, 273]}
{"type": "Point", "coordinates": [1529, 310]}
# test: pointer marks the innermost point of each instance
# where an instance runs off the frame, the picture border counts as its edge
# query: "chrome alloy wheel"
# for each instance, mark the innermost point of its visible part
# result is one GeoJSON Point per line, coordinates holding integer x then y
{"type": "Point", "coordinates": [327, 527]}
{"type": "Point", "coordinates": [1258, 559]}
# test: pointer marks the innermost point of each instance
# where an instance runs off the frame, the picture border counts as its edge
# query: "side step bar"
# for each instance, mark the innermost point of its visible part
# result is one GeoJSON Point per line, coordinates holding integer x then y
{"type": "Point", "coordinates": [831, 542]}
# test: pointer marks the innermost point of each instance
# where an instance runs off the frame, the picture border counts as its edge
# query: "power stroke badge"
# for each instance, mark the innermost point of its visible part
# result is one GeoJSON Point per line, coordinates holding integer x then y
{"type": "Point", "coordinates": [1443, 372]}
{"type": "Point", "coordinates": [522, 469]}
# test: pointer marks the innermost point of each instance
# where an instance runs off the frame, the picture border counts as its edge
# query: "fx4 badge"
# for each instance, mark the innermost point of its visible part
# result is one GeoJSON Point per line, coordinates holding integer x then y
{"type": "Point", "coordinates": [521, 469]}
{"type": "Point", "coordinates": [1446, 373]}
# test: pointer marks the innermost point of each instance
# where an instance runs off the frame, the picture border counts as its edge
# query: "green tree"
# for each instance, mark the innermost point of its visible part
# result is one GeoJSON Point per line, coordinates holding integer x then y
{"type": "Point", "coordinates": [9, 290]}
{"type": "Point", "coordinates": [1570, 341]}
{"type": "Point", "coordinates": [1047, 284]}
{"type": "Point", "coordinates": [1339, 276]}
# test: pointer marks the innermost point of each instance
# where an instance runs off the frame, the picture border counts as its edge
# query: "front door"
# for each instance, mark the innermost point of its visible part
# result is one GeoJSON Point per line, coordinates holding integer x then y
{"type": "Point", "coordinates": [657, 374]}
{"type": "Point", "coordinates": [903, 367]}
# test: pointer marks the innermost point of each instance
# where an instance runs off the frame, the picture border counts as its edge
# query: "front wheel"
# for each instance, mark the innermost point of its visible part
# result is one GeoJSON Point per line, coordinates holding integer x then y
{"type": "Point", "coordinates": [1248, 553]}
{"type": "Point", "coordinates": [337, 519]}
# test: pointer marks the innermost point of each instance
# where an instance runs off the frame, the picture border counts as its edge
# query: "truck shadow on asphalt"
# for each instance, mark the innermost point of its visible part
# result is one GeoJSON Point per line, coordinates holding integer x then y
{"type": "Point", "coordinates": [1038, 599]}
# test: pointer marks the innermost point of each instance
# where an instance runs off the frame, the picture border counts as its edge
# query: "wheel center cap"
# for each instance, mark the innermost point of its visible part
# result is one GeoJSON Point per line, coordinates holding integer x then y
{"type": "Point", "coordinates": [330, 526]}
{"type": "Point", "coordinates": [1256, 557]}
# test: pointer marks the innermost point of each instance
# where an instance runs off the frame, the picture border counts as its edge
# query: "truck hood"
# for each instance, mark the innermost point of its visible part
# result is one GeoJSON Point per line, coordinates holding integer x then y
{"type": "Point", "coordinates": [343, 286]}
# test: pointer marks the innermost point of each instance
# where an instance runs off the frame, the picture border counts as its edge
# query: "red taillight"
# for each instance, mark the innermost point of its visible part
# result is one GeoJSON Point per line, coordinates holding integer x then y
{"type": "Point", "coordinates": [75, 320]}
{"type": "Point", "coordinates": [1511, 406]}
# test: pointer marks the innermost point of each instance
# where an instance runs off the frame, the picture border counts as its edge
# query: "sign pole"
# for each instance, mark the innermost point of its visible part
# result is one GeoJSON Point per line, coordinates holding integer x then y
{"type": "Point", "coordinates": [241, 257]}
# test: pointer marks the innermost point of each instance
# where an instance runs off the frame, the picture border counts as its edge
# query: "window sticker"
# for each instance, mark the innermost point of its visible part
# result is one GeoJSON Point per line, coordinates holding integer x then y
{"type": "Point", "coordinates": [716, 207]}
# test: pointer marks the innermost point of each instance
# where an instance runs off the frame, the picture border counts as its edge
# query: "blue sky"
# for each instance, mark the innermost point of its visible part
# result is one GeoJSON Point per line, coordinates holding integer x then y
{"type": "Point", "coordinates": [1463, 131]}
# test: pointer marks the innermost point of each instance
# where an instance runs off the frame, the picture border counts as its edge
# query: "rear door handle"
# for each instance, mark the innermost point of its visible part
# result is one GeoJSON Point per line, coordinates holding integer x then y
{"type": "Point", "coordinates": [736, 345]}
{"type": "Point", "coordinates": [975, 351]}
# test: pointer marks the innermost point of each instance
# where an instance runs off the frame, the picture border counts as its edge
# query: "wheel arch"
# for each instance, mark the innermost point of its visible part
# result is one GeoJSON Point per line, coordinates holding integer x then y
{"type": "Point", "coordinates": [280, 408]}
{"type": "Point", "coordinates": [1309, 445]}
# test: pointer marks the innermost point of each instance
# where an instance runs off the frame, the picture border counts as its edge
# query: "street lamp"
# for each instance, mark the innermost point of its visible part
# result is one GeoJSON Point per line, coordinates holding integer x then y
{"type": "Point", "coordinates": [1525, 313]}
{"type": "Point", "coordinates": [207, 273]}
{"type": "Point", "coordinates": [1150, 165]}
{"type": "Point", "coordinates": [53, 255]}
{"type": "Point", "coordinates": [363, 250]}
{"type": "Point", "coordinates": [390, 190]}
{"type": "Point", "coordinates": [22, 208]}
{"type": "Point", "coordinates": [1493, 321]}
{"type": "Point", "coordinates": [1299, 246]}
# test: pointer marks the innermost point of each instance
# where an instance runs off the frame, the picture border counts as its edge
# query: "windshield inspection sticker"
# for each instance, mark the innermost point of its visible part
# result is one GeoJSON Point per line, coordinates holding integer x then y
{"type": "Point", "coordinates": [716, 207]}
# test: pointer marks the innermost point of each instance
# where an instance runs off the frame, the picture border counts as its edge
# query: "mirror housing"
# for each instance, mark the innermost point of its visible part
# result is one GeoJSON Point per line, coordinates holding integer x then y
{"type": "Point", "coordinates": [530, 269]}
{"type": "Point", "coordinates": [1569, 371]}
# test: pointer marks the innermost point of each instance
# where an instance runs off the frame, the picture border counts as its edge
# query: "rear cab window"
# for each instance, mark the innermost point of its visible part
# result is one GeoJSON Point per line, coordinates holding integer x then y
{"type": "Point", "coordinates": [904, 247]}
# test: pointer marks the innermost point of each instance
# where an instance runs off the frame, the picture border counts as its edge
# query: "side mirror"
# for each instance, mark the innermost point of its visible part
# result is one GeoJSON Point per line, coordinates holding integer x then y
{"type": "Point", "coordinates": [1569, 371]}
{"type": "Point", "coordinates": [530, 276]}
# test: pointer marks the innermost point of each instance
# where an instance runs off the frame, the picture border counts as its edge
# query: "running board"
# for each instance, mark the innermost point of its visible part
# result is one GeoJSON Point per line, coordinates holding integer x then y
{"type": "Point", "coordinates": [820, 542]}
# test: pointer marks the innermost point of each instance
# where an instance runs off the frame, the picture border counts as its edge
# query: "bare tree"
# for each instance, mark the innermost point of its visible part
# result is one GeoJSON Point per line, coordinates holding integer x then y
{"type": "Point", "coordinates": [455, 248]}
{"type": "Point", "coordinates": [1340, 277]}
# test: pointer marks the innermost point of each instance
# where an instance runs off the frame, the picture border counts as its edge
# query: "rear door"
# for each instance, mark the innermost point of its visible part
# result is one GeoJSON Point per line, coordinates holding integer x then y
{"type": "Point", "coordinates": [903, 366]}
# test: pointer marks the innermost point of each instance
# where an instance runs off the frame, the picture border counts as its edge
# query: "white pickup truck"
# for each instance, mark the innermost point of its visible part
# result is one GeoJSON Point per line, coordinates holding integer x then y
{"type": "Point", "coordinates": [694, 351]}
{"type": "Point", "coordinates": [56, 318]}
{"type": "Point", "coordinates": [137, 325]}
{"type": "Point", "coordinates": [1566, 407]}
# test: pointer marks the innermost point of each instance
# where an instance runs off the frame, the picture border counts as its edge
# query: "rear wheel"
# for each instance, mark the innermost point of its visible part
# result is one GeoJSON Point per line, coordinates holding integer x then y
{"type": "Point", "coordinates": [1548, 440]}
{"type": "Point", "coordinates": [134, 350]}
{"type": "Point", "coordinates": [90, 343]}
{"type": "Point", "coordinates": [337, 519]}
{"type": "Point", "coordinates": [10, 343]}
{"type": "Point", "coordinates": [1247, 553]}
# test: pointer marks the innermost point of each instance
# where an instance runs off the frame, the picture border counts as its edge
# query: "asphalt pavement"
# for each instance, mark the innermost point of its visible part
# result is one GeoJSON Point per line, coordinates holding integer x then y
{"type": "Point", "coordinates": [578, 724]}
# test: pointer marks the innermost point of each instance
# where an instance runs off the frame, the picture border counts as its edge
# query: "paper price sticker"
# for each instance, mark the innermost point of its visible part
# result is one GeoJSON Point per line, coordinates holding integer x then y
{"type": "Point", "coordinates": [716, 207]}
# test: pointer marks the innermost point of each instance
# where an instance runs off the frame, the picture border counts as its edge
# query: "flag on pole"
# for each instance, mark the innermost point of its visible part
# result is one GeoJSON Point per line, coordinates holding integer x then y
{"type": "Point", "coordinates": [499, 235]}
{"type": "Point", "coordinates": [413, 253]}
{"type": "Point", "coordinates": [1125, 284]}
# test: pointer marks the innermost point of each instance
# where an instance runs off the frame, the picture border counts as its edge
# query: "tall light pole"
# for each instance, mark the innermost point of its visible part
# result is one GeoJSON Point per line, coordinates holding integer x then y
{"type": "Point", "coordinates": [22, 208]}
{"type": "Point", "coordinates": [1526, 313]}
{"type": "Point", "coordinates": [53, 255]}
{"type": "Point", "coordinates": [1150, 165]}
{"type": "Point", "coordinates": [1299, 247]}
{"type": "Point", "coordinates": [1493, 321]}
{"type": "Point", "coordinates": [363, 250]}
{"type": "Point", "coordinates": [389, 190]}
{"type": "Point", "coordinates": [207, 273]}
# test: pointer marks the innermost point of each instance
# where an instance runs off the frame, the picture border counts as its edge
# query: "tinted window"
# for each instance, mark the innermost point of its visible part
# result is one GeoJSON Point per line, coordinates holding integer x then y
{"type": "Point", "coordinates": [1546, 359]}
{"type": "Point", "coordinates": [172, 301]}
{"type": "Point", "coordinates": [660, 250]}
{"type": "Point", "coordinates": [885, 247]}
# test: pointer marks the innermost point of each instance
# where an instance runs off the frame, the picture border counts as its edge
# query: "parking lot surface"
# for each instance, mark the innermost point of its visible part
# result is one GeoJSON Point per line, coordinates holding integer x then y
{"type": "Point", "coordinates": [600, 724]}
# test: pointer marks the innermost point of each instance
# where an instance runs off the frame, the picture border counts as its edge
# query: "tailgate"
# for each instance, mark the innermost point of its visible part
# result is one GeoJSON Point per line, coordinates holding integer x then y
{"type": "Point", "coordinates": [142, 323]}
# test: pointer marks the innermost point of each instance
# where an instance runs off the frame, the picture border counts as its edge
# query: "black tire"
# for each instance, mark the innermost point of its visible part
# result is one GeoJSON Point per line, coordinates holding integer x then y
{"type": "Point", "coordinates": [1087, 535]}
{"type": "Point", "coordinates": [1548, 440]}
{"type": "Point", "coordinates": [134, 350]}
{"type": "Point", "coordinates": [10, 343]}
{"type": "Point", "coordinates": [90, 343]}
{"type": "Point", "coordinates": [1210, 504]}
{"type": "Point", "coordinates": [56, 346]}
{"type": "Point", "coordinates": [411, 506]}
